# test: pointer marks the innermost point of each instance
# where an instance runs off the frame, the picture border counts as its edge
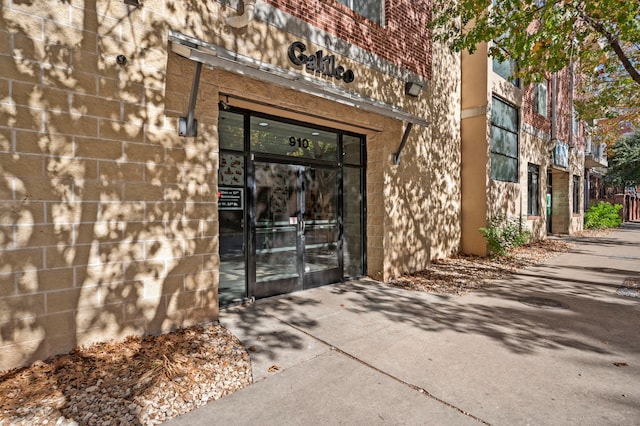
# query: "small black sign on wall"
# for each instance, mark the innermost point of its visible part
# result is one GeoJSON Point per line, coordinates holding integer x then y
{"type": "Point", "coordinates": [230, 198]}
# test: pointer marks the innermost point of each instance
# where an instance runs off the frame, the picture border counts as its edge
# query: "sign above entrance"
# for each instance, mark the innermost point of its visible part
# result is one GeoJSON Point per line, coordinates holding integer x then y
{"type": "Point", "coordinates": [318, 62]}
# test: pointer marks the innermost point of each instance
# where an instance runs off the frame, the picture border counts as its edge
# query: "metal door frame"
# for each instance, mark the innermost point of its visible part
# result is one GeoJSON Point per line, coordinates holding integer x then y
{"type": "Point", "coordinates": [304, 280]}
{"type": "Point", "coordinates": [250, 188]}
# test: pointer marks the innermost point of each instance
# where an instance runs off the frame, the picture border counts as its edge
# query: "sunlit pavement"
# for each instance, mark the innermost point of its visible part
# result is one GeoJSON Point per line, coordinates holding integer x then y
{"type": "Point", "coordinates": [555, 344]}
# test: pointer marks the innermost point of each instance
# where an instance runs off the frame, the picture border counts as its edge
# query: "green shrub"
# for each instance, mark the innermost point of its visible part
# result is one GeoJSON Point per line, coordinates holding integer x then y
{"type": "Point", "coordinates": [603, 215]}
{"type": "Point", "coordinates": [504, 233]}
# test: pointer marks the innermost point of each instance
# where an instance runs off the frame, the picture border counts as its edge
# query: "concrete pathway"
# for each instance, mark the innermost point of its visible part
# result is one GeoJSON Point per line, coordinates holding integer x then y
{"type": "Point", "coordinates": [558, 344]}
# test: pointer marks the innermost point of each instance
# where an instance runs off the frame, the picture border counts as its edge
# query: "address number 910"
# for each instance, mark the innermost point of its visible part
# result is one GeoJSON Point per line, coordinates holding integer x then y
{"type": "Point", "coordinates": [300, 143]}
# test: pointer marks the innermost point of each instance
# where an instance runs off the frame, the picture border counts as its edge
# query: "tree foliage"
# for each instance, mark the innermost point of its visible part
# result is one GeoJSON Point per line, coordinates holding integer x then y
{"type": "Point", "coordinates": [624, 167]}
{"type": "Point", "coordinates": [601, 37]}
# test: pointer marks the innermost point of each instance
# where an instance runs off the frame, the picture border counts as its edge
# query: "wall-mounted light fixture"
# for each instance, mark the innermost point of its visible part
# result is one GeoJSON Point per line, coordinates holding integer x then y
{"type": "Point", "coordinates": [412, 88]}
{"type": "Point", "coordinates": [135, 3]}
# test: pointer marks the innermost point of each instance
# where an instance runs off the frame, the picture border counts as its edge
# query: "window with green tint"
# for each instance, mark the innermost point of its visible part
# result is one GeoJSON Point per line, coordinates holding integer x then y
{"type": "Point", "coordinates": [231, 130]}
{"type": "Point", "coordinates": [504, 141]}
{"type": "Point", "coordinates": [504, 115]}
{"type": "Point", "coordinates": [507, 70]}
{"type": "Point", "coordinates": [352, 149]}
{"type": "Point", "coordinates": [279, 138]}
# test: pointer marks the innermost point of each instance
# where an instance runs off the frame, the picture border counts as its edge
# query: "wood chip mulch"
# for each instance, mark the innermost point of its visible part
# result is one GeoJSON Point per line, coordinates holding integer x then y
{"type": "Point", "coordinates": [135, 381]}
{"type": "Point", "coordinates": [461, 274]}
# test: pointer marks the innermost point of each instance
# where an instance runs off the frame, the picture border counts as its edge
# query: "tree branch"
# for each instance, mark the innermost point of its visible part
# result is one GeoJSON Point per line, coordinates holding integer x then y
{"type": "Point", "coordinates": [614, 43]}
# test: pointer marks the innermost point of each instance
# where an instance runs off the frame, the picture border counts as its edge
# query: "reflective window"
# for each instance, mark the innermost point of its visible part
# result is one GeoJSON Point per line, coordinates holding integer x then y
{"type": "Point", "coordinates": [291, 216]}
{"type": "Point", "coordinates": [540, 98]}
{"type": "Point", "coordinates": [231, 131]}
{"type": "Point", "coordinates": [352, 149]}
{"type": "Point", "coordinates": [504, 141]}
{"type": "Point", "coordinates": [372, 9]}
{"type": "Point", "coordinates": [506, 69]}
{"type": "Point", "coordinates": [231, 226]}
{"type": "Point", "coordinates": [278, 138]}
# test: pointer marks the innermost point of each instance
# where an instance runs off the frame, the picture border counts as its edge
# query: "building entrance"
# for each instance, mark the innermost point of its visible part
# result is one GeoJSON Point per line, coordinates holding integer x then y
{"type": "Point", "coordinates": [296, 227]}
{"type": "Point", "coordinates": [286, 181]}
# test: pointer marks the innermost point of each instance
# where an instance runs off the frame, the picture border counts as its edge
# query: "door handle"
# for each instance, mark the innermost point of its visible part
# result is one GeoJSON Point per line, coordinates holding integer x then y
{"type": "Point", "coordinates": [303, 226]}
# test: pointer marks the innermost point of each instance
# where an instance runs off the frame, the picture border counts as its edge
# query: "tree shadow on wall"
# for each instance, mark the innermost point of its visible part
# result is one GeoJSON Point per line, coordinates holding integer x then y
{"type": "Point", "coordinates": [108, 222]}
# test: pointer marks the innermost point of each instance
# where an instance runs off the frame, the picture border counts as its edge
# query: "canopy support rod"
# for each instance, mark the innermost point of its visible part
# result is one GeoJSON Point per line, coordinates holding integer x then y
{"type": "Point", "coordinates": [405, 136]}
{"type": "Point", "coordinates": [188, 126]}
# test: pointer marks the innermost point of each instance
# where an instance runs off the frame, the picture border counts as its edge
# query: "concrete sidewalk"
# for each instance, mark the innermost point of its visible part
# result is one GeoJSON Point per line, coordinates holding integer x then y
{"type": "Point", "coordinates": [557, 344]}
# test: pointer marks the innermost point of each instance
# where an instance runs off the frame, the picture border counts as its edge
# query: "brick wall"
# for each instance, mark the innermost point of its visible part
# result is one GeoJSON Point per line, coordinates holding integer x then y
{"type": "Point", "coordinates": [403, 40]}
{"type": "Point", "coordinates": [530, 116]}
{"type": "Point", "coordinates": [564, 120]}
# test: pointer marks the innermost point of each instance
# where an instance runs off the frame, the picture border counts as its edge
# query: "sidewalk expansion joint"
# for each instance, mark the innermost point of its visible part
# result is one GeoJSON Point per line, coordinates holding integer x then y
{"type": "Point", "coordinates": [411, 386]}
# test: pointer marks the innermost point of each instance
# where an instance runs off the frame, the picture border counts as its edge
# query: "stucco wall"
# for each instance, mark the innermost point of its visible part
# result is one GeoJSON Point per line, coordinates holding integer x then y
{"type": "Point", "coordinates": [475, 100]}
{"type": "Point", "coordinates": [422, 192]}
{"type": "Point", "coordinates": [445, 153]}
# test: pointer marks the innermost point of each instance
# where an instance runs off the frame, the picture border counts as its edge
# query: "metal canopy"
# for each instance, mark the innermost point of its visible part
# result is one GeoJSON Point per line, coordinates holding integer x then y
{"type": "Point", "coordinates": [227, 60]}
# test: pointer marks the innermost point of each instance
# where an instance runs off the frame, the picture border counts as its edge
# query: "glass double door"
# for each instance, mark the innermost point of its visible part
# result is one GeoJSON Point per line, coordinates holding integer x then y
{"type": "Point", "coordinates": [291, 204]}
{"type": "Point", "coordinates": [296, 231]}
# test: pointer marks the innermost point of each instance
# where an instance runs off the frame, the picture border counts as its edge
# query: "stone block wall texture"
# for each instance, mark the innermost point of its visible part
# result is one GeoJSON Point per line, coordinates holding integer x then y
{"type": "Point", "coordinates": [108, 219]}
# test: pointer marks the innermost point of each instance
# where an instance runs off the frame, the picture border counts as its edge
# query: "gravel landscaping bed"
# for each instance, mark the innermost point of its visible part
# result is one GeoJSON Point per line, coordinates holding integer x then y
{"type": "Point", "coordinates": [461, 274]}
{"type": "Point", "coordinates": [136, 381]}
